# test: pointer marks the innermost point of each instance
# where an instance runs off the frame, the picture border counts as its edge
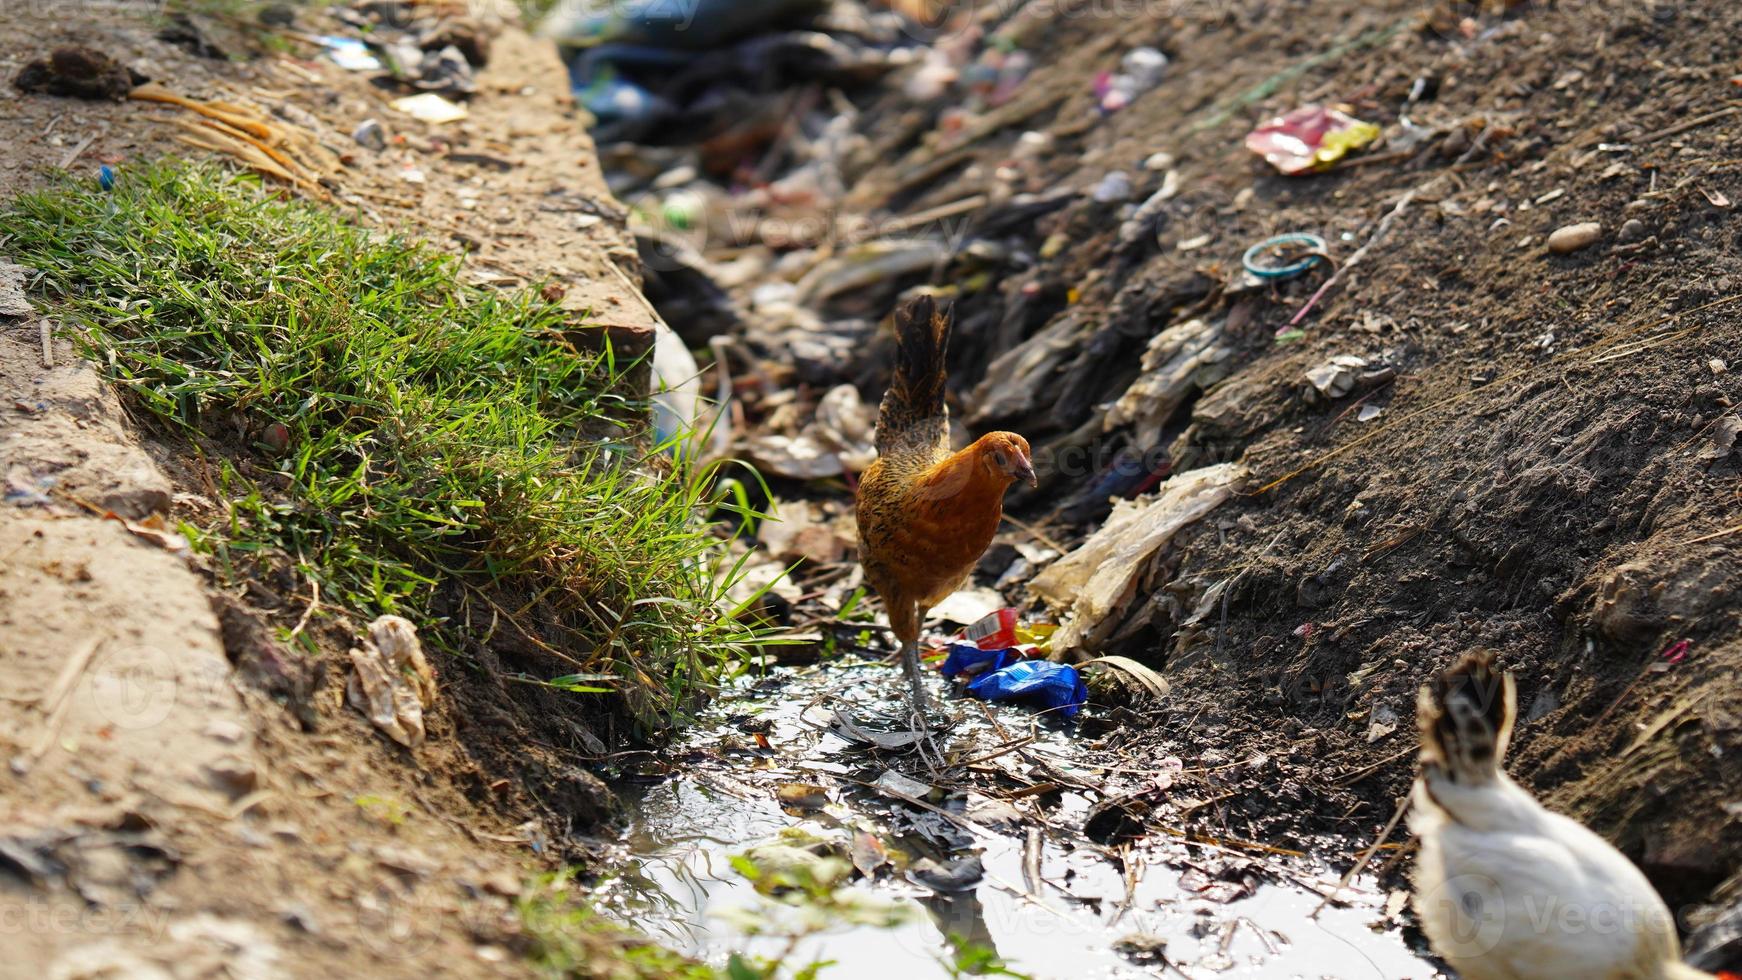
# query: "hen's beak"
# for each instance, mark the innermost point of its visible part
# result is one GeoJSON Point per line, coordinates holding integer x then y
{"type": "Point", "coordinates": [1025, 470]}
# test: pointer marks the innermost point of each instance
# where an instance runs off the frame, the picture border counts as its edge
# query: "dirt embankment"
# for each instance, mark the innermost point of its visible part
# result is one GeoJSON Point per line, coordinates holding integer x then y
{"type": "Point", "coordinates": [189, 792]}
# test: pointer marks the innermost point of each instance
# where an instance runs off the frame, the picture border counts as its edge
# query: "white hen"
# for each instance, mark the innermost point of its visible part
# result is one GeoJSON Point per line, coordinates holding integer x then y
{"type": "Point", "coordinates": [1507, 890]}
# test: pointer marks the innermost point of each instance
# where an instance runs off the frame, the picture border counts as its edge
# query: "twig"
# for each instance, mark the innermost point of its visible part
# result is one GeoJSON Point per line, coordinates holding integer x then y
{"type": "Point", "coordinates": [1402, 805]}
{"type": "Point", "coordinates": [1366, 771]}
{"type": "Point", "coordinates": [77, 151]}
{"type": "Point", "coordinates": [314, 602]}
{"type": "Point", "coordinates": [47, 343]}
{"type": "Point", "coordinates": [56, 701]}
{"type": "Point", "coordinates": [1717, 534]}
{"type": "Point", "coordinates": [1038, 534]}
{"type": "Point", "coordinates": [1694, 123]}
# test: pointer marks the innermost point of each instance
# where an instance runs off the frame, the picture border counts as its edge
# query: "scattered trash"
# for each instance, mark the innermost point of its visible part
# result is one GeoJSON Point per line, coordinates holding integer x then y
{"type": "Point", "coordinates": [1139, 71]}
{"type": "Point", "coordinates": [1187, 357]}
{"type": "Point", "coordinates": [1334, 378]}
{"type": "Point", "coordinates": [800, 530]}
{"type": "Point", "coordinates": [1677, 651]}
{"type": "Point", "coordinates": [968, 606]}
{"type": "Point", "coordinates": [802, 796]}
{"type": "Point", "coordinates": [844, 726]}
{"type": "Point", "coordinates": [1723, 439]}
{"type": "Point", "coordinates": [1142, 948]}
{"type": "Point", "coordinates": [78, 72]}
{"type": "Point", "coordinates": [371, 135]}
{"type": "Point", "coordinates": [895, 784]}
{"type": "Point", "coordinates": [681, 24]}
{"type": "Point", "coordinates": [1098, 579]}
{"type": "Point", "coordinates": [1038, 682]}
{"type": "Point", "coordinates": [1267, 261]}
{"type": "Point", "coordinates": [1309, 139]}
{"type": "Point", "coordinates": [1572, 238]}
{"type": "Point", "coordinates": [994, 631]}
{"type": "Point", "coordinates": [1382, 723]}
{"type": "Point", "coordinates": [1112, 188]}
{"type": "Point", "coordinates": [958, 875]}
{"type": "Point", "coordinates": [392, 683]}
{"type": "Point", "coordinates": [349, 53]}
{"type": "Point", "coordinates": [870, 263]}
{"type": "Point", "coordinates": [431, 108]}
{"type": "Point", "coordinates": [106, 177]}
{"type": "Point", "coordinates": [867, 853]}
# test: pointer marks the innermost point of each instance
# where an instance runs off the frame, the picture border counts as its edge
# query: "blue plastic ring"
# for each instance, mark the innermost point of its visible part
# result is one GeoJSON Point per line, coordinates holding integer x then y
{"type": "Point", "coordinates": [1249, 260]}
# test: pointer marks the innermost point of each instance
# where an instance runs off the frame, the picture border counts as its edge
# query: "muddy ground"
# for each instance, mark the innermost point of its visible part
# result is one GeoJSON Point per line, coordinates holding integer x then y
{"type": "Point", "coordinates": [1547, 475]}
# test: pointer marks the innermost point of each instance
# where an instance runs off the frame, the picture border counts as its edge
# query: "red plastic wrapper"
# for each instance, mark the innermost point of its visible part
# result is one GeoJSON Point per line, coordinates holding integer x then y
{"type": "Point", "coordinates": [996, 631]}
{"type": "Point", "coordinates": [1309, 139]}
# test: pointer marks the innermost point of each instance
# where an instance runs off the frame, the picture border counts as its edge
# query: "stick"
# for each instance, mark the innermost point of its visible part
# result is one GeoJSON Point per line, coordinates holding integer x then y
{"type": "Point", "coordinates": [77, 151]}
{"type": "Point", "coordinates": [1694, 123]}
{"type": "Point", "coordinates": [47, 344]}
{"type": "Point", "coordinates": [57, 700]}
{"type": "Point", "coordinates": [1717, 534]}
{"type": "Point", "coordinates": [1402, 805]}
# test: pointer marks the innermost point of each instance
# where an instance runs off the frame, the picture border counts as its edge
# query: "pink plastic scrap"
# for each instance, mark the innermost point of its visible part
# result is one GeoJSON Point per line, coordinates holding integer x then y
{"type": "Point", "coordinates": [1677, 651]}
{"type": "Point", "coordinates": [1309, 139]}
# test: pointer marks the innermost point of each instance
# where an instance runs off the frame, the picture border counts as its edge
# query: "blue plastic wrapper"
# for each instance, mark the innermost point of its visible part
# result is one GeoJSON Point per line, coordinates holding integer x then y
{"type": "Point", "coordinates": [1037, 682]}
{"type": "Point", "coordinates": [970, 659]}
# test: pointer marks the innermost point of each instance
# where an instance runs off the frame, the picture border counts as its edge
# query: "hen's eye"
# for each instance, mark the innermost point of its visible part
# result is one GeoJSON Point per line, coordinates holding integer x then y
{"type": "Point", "coordinates": [998, 458]}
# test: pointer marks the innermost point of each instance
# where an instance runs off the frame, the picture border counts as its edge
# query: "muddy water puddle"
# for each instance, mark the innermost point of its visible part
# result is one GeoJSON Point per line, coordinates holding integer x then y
{"type": "Point", "coordinates": [909, 871]}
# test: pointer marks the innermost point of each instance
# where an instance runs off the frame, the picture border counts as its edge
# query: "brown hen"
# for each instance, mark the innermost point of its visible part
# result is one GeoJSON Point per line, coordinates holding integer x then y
{"type": "Point", "coordinates": [926, 514]}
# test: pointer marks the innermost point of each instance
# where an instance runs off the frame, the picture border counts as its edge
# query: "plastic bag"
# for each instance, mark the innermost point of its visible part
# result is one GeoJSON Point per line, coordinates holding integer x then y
{"type": "Point", "coordinates": [1036, 682]}
{"type": "Point", "coordinates": [966, 658]}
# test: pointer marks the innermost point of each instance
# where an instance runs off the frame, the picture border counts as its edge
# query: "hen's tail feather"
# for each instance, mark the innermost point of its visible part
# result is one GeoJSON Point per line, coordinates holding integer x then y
{"type": "Point", "coordinates": [1465, 715]}
{"type": "Point", "coordinates": [914, 402]}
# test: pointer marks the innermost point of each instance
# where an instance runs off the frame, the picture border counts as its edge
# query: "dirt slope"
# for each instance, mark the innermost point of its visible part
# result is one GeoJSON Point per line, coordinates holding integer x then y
{"type": "Point", "coordinates": [187, 797]}
{"type": "Point", "coordinates": [1549, 475]}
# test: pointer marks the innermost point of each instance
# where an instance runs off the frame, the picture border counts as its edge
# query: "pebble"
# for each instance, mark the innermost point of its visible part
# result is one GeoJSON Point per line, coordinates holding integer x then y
{"type": "Point", "coordinates": [1571, 238]}
{"type": "Point", "coordinates": [370, 133]}
{"type": "Point", "coordinates": [1633, 231]}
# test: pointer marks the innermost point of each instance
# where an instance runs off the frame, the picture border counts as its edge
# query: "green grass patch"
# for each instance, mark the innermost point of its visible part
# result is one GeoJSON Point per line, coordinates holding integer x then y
{"type": "Point", "coordinates": [411, 443]}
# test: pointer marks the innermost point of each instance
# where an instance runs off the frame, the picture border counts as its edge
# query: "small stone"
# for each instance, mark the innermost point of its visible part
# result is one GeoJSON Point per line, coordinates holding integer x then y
{"type": "Point", "coordinates": [1717, 365]}
{"type": "Point", "coordinates": [226, 731]}
{"type": "Point", "coordinates": [233, 775]}
{"type": "Point", "coordinates": [276, 437]}
{"type": "Point", "coordinates": [371, 134]}
{"type": "Point", "coordinates": [1571, 238]}
{"type": "Point", "coordinates": [1633, 231]}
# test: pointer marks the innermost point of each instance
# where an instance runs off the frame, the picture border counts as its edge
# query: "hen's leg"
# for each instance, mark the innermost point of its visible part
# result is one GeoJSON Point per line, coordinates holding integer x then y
{"type": "Point", "coordinates": [916, 686]}
{"type": "Point", "coordinates": [907, 627]}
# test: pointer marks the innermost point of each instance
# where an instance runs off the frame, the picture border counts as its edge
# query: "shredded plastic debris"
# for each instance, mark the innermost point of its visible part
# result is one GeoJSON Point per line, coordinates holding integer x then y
{"type": "Point", "coordinates": [1096, 581]}
{"type": "Point", "coordinates": [392, 683]}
